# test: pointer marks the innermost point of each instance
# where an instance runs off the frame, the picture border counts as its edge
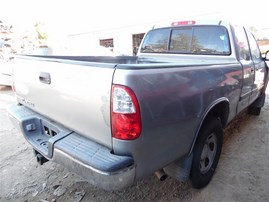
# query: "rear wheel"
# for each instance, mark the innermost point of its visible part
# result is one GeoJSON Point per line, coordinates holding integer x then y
{"type": "Point", "coordinates": [254, 110]}
{"type": "Point", "coordinates": [256, 106]}
{"type": "Point", "coordinates": [206, 153]}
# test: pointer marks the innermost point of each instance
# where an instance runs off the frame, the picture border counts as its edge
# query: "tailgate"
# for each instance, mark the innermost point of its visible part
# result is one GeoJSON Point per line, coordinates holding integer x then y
{"type": "Point", "coordinates": [74, 94]}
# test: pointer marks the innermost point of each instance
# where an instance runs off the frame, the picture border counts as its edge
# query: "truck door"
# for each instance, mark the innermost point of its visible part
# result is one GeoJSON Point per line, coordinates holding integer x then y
{"type": "Point", "coordinates": [259, 68]}
{"type": "Point", "coordinates": [248, 66]}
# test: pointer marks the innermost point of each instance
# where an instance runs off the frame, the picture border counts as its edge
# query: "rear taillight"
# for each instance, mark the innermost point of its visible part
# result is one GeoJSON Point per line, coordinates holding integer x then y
{"type": "Point", "coordinates": [125, 113]}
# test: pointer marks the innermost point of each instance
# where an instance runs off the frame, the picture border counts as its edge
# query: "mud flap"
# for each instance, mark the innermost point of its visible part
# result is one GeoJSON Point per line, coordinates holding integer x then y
{"type": "Point", "coordinates": [259, 102]}
{"type": "Point", "coordinates": [180, 169]}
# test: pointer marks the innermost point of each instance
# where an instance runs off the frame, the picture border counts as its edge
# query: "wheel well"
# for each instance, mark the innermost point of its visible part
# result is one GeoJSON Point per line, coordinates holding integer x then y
{"type": "Point", "coordinates": [220, 111]}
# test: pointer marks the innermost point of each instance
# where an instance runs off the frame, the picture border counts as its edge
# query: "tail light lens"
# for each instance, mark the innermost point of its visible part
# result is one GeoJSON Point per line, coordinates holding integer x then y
{"type": "Point", "coordinates": [125, 113]}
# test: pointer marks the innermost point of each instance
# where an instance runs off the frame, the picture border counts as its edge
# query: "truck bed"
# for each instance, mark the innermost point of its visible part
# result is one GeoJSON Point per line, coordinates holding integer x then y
{"type": "Point", "coordinates": [62, 88]}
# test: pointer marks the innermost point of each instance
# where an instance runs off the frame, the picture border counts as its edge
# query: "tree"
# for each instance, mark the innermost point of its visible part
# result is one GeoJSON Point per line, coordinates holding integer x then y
{"type": "Point", "coordinates": [254, 31]}
{"type": "Point", "coordinates": [41, 32]}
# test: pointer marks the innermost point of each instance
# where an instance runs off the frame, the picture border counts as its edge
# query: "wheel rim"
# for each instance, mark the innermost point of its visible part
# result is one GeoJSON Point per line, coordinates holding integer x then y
{"type": "Point", "coordinates": [208, 153]}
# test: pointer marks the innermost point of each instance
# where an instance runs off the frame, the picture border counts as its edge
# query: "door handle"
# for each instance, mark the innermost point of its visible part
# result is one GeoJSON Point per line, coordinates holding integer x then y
{"type": "Point", "coordinates": [44, 77]}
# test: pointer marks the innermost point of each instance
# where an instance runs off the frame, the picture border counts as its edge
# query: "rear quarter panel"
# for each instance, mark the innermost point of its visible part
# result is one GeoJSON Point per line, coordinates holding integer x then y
{"type": "Point", "coordinates": [173, 100]}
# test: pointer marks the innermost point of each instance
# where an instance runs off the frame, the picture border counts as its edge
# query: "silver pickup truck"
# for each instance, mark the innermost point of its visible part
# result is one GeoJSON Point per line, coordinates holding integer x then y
{"type": "Point", "coordinates": [115, 120]}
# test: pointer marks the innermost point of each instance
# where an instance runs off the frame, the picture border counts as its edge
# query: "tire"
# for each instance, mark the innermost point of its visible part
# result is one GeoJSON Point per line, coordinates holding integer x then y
{"type": "Point", "coordinates": [206, 153]}
{"type": "Point", "coordinates": [254, 111]}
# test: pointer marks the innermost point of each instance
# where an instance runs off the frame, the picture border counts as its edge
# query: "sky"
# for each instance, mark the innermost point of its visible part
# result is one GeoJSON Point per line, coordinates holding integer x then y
{"type": "Point", "coordinates": [63, 17]}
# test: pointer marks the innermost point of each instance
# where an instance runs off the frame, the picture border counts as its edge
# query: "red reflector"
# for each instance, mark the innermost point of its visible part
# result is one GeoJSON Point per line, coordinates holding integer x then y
{"type": "Point", "coordinates": [126, 126]}
{"type": "Point", "coordinates": [191, 22]}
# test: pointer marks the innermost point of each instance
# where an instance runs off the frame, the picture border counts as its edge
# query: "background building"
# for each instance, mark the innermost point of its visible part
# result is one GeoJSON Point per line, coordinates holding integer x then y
{"type": "Point", "coordinates": [126, 40]}
{"type": "Point", "coordinates": [122, 40]}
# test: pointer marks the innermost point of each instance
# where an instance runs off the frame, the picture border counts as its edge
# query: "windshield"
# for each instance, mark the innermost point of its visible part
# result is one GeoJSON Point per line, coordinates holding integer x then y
{"type": "Point", "coordinates": [210, 40]}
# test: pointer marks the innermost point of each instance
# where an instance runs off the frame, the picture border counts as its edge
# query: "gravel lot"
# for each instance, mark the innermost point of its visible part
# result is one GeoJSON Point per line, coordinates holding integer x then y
{"type": "Point", "coordinates": [242, 174]}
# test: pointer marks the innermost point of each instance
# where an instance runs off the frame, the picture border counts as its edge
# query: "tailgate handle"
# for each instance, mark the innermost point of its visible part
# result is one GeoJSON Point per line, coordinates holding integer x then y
{"type": "Point", "coordinates": [44, 77]}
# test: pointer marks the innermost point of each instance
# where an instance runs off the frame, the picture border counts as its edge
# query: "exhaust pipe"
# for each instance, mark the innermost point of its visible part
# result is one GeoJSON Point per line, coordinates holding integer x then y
{"type": "Point", "coordinates": [41, 159]}
{"type": "Point", "coordinates": [161, 175]}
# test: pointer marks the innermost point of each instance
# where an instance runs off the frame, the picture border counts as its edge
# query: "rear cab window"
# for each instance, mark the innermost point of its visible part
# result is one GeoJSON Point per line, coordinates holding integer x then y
{"type": "Point", "coordinates": [156, 41]}
{"type": "Point", "coordinates": [208, 40]}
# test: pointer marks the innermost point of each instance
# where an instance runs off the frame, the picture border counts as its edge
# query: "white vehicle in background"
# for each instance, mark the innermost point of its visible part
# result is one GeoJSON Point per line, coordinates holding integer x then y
{"type": "Point", "coordinates": [6, 54]}
{"type": "Point", "coordinates": [5, 73]}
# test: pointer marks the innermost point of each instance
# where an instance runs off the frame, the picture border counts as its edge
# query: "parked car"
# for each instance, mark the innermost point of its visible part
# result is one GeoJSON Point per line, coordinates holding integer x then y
{"type": "Point", "coordinates": [6, 56]}
{"type": "Point", "coordinates": [115, 120]}
{"type": "Point", "coordinates": [5, 73]}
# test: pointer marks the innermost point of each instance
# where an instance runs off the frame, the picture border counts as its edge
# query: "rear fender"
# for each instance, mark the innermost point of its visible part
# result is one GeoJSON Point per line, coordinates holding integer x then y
{"type": "Point", "coordinates": [212, 111]}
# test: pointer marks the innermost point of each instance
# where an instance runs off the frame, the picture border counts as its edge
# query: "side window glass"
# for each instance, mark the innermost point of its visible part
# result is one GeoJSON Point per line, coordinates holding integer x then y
{"type": "Point", "coordinates": [254, 48]}
{"type": "Point", "coordinates": [242, 43]}
{"type": "Point", "coordinates": [156, 41]}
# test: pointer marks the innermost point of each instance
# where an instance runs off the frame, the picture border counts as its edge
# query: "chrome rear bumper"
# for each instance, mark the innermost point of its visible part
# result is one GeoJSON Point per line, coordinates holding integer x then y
{"type": "Point", "coordinates": [85, 157]}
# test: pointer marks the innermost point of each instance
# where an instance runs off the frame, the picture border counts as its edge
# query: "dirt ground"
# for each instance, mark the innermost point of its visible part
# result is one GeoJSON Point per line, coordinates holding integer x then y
{"type": "Point", "coordinates": [242, 173]}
